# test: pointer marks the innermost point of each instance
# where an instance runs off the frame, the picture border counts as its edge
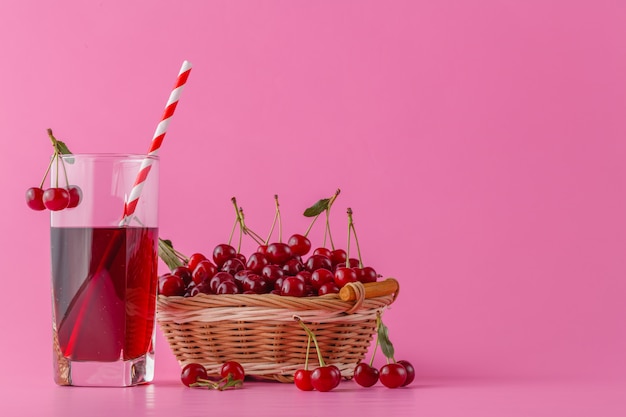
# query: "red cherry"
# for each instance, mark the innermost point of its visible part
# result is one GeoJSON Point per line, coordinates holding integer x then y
{"type": "Point", "coordinates": [338, 256]}
{"type": "Point", "coordinates": [234, 369]}
{"type": "Point", "coordinates": [320, 277]}
{"type": "Point", "coordinates": [322, 251]}
{"type": "Point", "coordinates": [325, 378]}
{"type": "Point", "coordinates": [56, 199]}
{"type": "Point", "coordinates": [305, 276]}
{"type": "Point", "coordinates": [218, 279]}
{"type": "Point", "coordinates": [222, 253]}
{"type": "Point", "coordinates": [192, 372]}
{"type": "Point", "coordinates": [293, 287]}
{"type": "Point", "coordinates": [299, 244]}
{"type": "Point", "coordinates": [272, 273]}
{"type": "Point", "coordinates": [76, 196]}
{"type": "Point", "coordinates": [256, 262]}
{"type": "Point", "coordinates": [34, 198]}
{"type": "Point", "coordinates": [204, 270]}
{"type": "Point", "coordinates": [393, 375]}
{"type": "Point", "coordinates": [318, 261]}
{"type": "Point", "coordinates": [232, 266]}
{"type": "Point", "coordinates": [293, 266]}
{"type": "Point", "coordinates": [262, 249]}
{"type": "Point", "coordinates": [302, 379]}
{"type": "Point", "coordinates": [184, 273]}
{"type": "Point", "coordinates": [328, 288]}
{"type": "Point", "coordinates": [194, 260]}
{"type": "Point", "coordinates": [278, 253]}
{"type": "Point", "coordinates": [255, 284]}
{"type": "Point", "coordinates": [171, 285]}
{"type": "Point", "coordinates": [366, 274]}
{"type": "Point", "coordinates": [344, 276]}
{"type": "Point", "coordinates": [227, 287]}
{"type": "Point", "coordinates": [365, 375]}
{"type": "Point", "coordinates": [410, 371]}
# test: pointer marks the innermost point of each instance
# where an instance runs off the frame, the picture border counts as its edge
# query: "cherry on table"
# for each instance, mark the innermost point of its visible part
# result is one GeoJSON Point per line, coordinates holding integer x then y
{"type": "Point", "coordinates": [234, 369]}
{"type": "Point", "coordinates": [393, 375]}
{"type": "Point", "coordinates": [410, 371]}
{"type": "Point", "coordinates": [192, 372]}
{"type": "Point", "coordinates": [325, 378]}
{"type": "Point", "coordinates": [56, 198]}
{"type": "Point", "coordinates": [302, 379]}
{"type": "Point", "coordinates": [34, 198]}
{"type": "Point", "coordinates": [365, 375]}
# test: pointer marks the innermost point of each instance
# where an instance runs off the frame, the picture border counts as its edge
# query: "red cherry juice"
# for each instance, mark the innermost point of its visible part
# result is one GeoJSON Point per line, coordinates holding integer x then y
{"type": "Point", "coordinates": [104, 291]}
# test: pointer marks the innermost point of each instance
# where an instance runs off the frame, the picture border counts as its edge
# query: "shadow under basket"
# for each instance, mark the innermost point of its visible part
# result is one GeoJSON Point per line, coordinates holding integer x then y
{"type": "Point", "coordinates": [260, 331]}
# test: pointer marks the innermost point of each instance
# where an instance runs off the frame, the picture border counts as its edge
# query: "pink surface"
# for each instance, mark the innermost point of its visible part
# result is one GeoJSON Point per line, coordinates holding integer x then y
{"type": "Point", "coordinates": [480, 144]}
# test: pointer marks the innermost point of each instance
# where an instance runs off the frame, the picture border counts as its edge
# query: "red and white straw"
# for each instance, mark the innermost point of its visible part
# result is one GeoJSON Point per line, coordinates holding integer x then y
{"type": "Point", "coordinates": [131, 201]}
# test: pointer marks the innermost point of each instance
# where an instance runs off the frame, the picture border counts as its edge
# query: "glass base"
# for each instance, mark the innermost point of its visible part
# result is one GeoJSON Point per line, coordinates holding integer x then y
{"type": "Point", "coordinates": [105, 374]}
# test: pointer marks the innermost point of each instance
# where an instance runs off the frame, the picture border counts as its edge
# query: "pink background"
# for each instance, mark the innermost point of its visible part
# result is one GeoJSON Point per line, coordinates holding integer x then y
{"type": "Point", "coordinates": [481, 145]}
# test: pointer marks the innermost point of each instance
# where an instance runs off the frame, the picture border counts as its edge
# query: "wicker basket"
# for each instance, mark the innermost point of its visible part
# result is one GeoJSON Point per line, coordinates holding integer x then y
{"type": "Point", "coordinates": [260, 332]}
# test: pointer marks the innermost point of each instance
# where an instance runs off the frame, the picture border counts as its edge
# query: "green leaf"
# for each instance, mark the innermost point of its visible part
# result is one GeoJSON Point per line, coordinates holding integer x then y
{"type": "Point", "coordinates": [383, 339]}
{"type": "Point", "coordinates": [167, 254]}
{"type": "Point", "coordinates": [62, 148]}
{"type": "Point", "coordinates": [317, 208]}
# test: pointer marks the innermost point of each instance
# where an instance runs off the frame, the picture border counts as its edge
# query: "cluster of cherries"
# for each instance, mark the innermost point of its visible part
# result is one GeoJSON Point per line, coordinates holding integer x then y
{"type": "Point", "coordinates": [277, 268]}
{"type": "Point", "coordinates": [54, 198]}
{"type": "Point", "coordinates": [195, 375]}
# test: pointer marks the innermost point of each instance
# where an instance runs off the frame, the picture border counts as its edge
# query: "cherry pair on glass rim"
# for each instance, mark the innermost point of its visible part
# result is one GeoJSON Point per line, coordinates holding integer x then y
{"type": "Point", "coordinates": [54, 198]}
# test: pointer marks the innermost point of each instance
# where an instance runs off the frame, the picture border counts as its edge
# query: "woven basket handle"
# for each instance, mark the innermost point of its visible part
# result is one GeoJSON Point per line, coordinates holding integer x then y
{"type": "Point", "coordinates": [356, 291]}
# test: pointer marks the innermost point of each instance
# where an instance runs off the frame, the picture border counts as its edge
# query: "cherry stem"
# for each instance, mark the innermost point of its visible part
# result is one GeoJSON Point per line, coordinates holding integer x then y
{"type": "Point", "coordinates": [232, 232]}
{"type": "Point", "coordinates": [67, 181]}
{"type": "Point", "coordinates": [374, 353]}
{"type": "Point", "coordinates": [47, 171]}
{"type": "Point", "coordinates": [269, 236]}
{"type": "Point", "coordinates": [330, 204]}
{"type": "Point", "coordinates": [356, 239]}
{"type": "Point", "coordinates": [238, 221]}
{"type": "Point", "coordinates": [348, 244]}
{"type": "Point", "coordinates": [280, 221]}
{"type": "Point", "coordinates": [306, 234]}
{"type": "Point", "coordinates": [308, 349]}
{"type": "Point", "coordinates": [255, 236]}
{"type": "Point", "coordinates": [312, 336]}
{"type": "Point", "coordinates": [56, 177]}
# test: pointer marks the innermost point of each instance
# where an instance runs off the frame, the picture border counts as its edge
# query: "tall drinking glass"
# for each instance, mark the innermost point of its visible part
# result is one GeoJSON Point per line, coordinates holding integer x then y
{"type": "Point", "coordinates": [104, 272]}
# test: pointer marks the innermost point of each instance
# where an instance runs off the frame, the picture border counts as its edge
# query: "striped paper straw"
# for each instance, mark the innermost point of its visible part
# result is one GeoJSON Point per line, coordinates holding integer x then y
{"type": "Point", "coordinates": [157, 140]}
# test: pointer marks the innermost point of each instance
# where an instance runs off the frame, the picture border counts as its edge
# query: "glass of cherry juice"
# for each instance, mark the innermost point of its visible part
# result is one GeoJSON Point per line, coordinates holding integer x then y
{"type": "Point", "coordinates": [104, 271]}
